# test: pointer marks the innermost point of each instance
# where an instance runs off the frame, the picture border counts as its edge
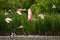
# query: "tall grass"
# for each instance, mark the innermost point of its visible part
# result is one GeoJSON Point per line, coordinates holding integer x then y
{"type": "Point", "coordinates": [50, 24]}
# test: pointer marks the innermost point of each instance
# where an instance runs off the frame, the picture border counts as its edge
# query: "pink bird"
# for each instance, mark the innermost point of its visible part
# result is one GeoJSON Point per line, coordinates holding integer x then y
{"type": "Point", "coordinates": [19, 11]}
{"type": "Point", "coordinates": [30, 16]}
{"type": "Point", "coordinates": [41, 16]}
{"type": "Point", "coordinates": [8, 20]}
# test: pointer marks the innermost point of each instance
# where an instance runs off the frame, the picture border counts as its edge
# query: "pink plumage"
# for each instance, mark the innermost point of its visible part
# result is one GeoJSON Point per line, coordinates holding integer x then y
{"type": "Point", "coordinates": [30, 16]}
{"type": "Point", "coordinates": [19, 11]}
{"type": "Point", "coordinates": [41, 16]}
